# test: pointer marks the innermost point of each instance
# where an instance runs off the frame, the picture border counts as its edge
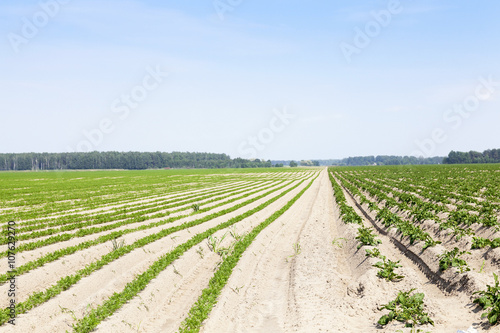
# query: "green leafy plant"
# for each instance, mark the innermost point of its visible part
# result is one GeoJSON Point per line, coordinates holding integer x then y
{"type": "Point", "coordinates": [429, 241]}
{"type": "Point", "coordinates": [375, 253]}
{"type": "Point", "coordinates": [482, 266]}
{"type": "Point", "coordinates": [386, 270]}
{"type": "Point", "coordinates": [479, 243]}
{"type": "Point", "coordinates": [195, 207]}
{"type": "Point", "coordinates": [490, 299]}
{"type": "Point", "coordinates": [296, 251]}
{"type": "Point", "coordinates": [452, 258]}
{"type": "Point", "coordinates": [461, 232]}
{"type": "Point", "coordinates": [406, 308]}
{"type": "Point", "coordinates": [366, 237]}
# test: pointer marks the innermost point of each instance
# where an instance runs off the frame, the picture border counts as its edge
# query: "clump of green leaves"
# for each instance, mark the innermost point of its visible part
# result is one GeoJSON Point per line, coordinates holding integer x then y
{"type": "Point", "coordinates": [479, 243]}
{"type": "Point", "coordinates": [375, 253]}
{"type": "Point", "coordinates": [366, 237]}
{"type": "Point", "coordinates": [296, 251]}
{"type": "Point", "coordinates": [386, 270]}
{"type": "Point", "coordinates": [237, 236]}
{"type": "Point", "coordinates": [429, 242]}
{"type": "Point", "coordinates": [461, 232]}
{"type": "Point", "coordinates": [195, 207]}
{"type": "Point", "coordinates": [490, 299]}
{"type": "Point", "coordinates": [406, 308]}
{"type": "Point", "coordinates": [452, 258]}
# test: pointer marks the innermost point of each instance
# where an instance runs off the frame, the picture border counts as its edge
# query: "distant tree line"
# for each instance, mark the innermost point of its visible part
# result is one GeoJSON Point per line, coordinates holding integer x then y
{"type": "Point", "coordinates": [488, 156]}
{"type": "Point", "coordinates": [390, 160]}
{"type": "Point", "coordinates": [123, 160]}
{"type": "Point", "coordinates": [370, 160]}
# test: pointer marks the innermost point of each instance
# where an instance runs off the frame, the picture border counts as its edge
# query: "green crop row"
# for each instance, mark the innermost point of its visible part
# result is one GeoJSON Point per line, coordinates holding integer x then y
{"type": "Point", "coordinates": [102, 239]}
{"type": "Point", "coordinates": [66, 282]}
{"type": "Point", "coordinates": [115, 302]}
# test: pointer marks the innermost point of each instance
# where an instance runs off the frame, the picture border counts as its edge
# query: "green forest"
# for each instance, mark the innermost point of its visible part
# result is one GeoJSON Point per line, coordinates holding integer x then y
{"type": "Point", "coordinates": [187, 160]}
{"type": "Point", "coordinates": [124, 160]}
{"type": "Point", "coordinates": [488, 156]}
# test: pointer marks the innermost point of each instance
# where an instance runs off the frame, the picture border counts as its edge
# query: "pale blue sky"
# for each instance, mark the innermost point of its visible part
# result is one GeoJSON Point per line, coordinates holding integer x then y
{"type": "Point", "coordinates": [67, 68]}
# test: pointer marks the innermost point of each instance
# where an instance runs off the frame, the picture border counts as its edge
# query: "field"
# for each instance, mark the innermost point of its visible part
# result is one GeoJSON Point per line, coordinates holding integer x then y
{"type": "Point", "coordinates": [251, 250]}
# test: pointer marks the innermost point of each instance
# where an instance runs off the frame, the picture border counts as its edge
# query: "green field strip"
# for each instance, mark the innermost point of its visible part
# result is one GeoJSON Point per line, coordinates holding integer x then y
{"type": "Point", "coordinates": [420, 210]}
{"type": "Point", "coordinates": [115, 302]}
{"type": "Point", "coordinates": [122, 215]}
{"type": "Point", "coordinates": [203, 306]}
{"type": "Point", "coordinates": [127, 194]}
{"type": "Point", "coordinates": [405, 228]}
{"type": "Point", "coordinates": [125, 203]}
{"type": "Point", "coordinates": [66, 282]}
{"type": "Point", "coordinates": [59, 238]}
{"type": "Point", "coordinates": [128, 189]}
{"type": "Point", "coordinates": [102, 239]}
{"type": "Point", "coordinates": [123, 219]}
{"type": "Point", "coordinates": [78, 216]}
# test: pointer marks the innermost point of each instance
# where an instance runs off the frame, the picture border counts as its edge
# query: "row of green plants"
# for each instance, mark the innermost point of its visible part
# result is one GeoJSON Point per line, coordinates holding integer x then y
{"type": "Point", "coordinates": [439, 194]}
{"type": "Point", "coordinates": [406, 308]}
{"type": "Point", "coordinates": [115, 302]}
{"type": "Point", "coordinates": [33, 195]}
{"type": "Point", "coordinates": [49, 257]}
{"type": "Point", "coordinates": [66, 282]}
{"type": "Point", "coordinates": [389, 219]}
{"type": "Point", "coordinates": [26, 196]}
{"type": "Point", "coordinates": [119, 212]}
{"type": "Point", "coordinates": [458, 222]}
{"type": "Point", "coordinates": [485, 212]}
{"type": "Point", "coordinates": [409, 201]}
{"type": "Point", "coordinates": [347, 213]}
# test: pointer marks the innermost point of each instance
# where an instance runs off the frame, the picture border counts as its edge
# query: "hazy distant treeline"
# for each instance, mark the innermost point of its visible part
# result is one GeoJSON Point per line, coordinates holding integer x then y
{"type": "Point", "coordinates": [123, 160]}
{"type": "Point", "coordinates": [375, 160]}
{"type": "Point", "coordinates": [488, 156]}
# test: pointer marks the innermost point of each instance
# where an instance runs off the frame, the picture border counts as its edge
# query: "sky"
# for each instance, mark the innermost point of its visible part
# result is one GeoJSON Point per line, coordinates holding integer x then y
{"type": "Point", "coordinates": [268, 79]}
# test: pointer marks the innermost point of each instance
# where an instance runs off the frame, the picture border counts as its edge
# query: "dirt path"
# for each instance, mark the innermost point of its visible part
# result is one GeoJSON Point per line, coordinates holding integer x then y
{"type": "Point", "coordinates": [261, 294]}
